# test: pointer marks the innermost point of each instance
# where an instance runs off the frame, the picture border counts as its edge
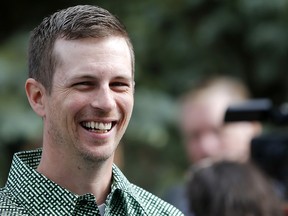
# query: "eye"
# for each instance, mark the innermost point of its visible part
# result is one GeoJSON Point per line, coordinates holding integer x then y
{"type": "Point", "coordinates": [119, 84]}
{"type": "Point", "coordinates": [83, 85]}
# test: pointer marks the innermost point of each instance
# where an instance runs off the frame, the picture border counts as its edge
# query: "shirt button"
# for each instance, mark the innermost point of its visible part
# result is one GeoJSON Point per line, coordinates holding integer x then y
{"type": "Point", "coordinates": [83, 202]}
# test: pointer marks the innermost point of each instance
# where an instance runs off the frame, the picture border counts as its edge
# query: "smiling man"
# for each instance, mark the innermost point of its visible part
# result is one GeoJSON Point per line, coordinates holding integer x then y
{"type": "Point", "coordinates": [81, 83]}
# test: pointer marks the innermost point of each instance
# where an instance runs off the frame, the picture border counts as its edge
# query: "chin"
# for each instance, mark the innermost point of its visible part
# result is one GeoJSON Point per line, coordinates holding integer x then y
{"type": "Point", "coordinates": [95, 158]}
{"type": "Point", "coordinates": [99, 155]}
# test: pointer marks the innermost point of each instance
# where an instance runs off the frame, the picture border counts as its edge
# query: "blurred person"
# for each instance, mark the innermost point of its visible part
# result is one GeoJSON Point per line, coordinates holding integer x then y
{"type": "Point", "coordinates": [202, 121]}
{"type": "Point", "coordinates": [81, 83]}
{"type": "Point", "coordinates": [205, 136]}
{"type": "Point", "coordinates": [230, 188]}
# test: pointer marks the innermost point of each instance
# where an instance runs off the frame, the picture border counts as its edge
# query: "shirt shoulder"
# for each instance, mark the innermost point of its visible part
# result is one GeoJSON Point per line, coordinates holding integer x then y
{"type": "Point", "coordinates": [155, 205]}
{"type": "Point", "coordinates": [9, 205]}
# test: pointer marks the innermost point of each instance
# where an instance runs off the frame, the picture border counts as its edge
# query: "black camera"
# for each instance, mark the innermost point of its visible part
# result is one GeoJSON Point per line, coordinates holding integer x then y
{"type": "Point", "coordinates": [269, 151]}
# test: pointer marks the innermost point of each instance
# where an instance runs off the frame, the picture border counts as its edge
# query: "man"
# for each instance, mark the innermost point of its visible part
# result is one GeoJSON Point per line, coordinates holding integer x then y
{"type": "Point", "coordinates": [206, 137]}
{"type": "Point", "coordinates": [81, 83]}
{"type": "Point", "coordinates": [202, 121]}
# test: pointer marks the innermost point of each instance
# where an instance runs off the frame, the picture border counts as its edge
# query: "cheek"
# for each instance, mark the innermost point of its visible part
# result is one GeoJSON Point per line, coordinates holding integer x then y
{"type": "Point", "coordinates": [130, 109]}
{"type": "Point", "coordinates": [67, 106]}
{"type": "Point", "coordinates": [240, 133]}
{"type": "Point", "coordinates": [126, 104]}
{"type": "Point", "coordinates": [72, 106]}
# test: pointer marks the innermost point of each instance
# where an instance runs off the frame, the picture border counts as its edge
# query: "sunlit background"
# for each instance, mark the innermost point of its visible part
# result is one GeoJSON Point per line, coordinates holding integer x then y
{"type": "Point", "coordinates": [176, 42]}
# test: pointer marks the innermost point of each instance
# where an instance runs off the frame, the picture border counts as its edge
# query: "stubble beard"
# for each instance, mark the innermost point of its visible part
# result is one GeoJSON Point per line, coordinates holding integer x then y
{"type": "Point", "coordinates": [92, 157]}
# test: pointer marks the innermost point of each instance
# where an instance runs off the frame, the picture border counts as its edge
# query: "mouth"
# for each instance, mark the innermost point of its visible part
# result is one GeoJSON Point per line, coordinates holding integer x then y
{"type": "Point", "coordinates": [98, 127]}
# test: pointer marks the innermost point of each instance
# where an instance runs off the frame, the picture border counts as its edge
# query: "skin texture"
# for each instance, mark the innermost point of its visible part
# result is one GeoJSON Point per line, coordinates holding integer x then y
{"type": "Point", "coordinates": [93, 81]}
{"type": "Point", "coordinates": [205, 134]}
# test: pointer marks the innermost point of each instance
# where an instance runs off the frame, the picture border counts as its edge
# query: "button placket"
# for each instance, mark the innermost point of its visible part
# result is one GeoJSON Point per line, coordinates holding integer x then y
{"type": "Point", "coordinates": [86, 205]}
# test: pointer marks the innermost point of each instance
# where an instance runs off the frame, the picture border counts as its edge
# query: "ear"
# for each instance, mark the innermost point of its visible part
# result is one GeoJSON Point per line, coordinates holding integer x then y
{"type": "Point", "coordinates": [35, 92]}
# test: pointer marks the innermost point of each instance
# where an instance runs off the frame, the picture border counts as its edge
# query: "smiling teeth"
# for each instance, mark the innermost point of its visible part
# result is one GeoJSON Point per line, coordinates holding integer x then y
{"type": "Point", "coordinates": [98, 125]}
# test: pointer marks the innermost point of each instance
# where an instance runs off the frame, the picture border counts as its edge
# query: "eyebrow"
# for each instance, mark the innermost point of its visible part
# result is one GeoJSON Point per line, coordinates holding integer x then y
{"type": "Point", "coordinates": [77, 77]}
{"type": "Point", "coordinates": [91, 77]}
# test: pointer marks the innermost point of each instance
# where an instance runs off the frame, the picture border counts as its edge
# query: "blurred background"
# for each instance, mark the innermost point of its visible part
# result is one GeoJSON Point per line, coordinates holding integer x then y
{"type": "Point", "coordinates": [176, 43]}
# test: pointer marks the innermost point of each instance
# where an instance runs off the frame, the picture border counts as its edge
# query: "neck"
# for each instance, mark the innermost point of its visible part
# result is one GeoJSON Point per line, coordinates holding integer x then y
{"type": "Point", "coordinates": [78, 176]}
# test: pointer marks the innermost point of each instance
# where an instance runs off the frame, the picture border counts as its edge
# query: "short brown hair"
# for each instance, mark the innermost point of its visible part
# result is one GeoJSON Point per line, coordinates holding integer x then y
{"type": "Point", "coordinates": [81, 21]}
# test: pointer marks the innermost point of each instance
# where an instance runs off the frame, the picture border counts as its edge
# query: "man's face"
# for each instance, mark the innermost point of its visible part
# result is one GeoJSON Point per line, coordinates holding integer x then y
{"type": "Point", "coordinates": [91, 101]}
{"type": "Point", "coordinates": [205, 135]}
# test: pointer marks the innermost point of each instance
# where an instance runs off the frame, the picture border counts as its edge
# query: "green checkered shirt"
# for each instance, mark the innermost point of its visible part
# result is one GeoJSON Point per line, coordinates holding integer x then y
{"type": "Point", "coordinates": [27, 192]}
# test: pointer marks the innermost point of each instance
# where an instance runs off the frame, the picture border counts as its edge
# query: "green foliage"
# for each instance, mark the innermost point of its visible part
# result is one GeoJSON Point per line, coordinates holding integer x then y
{"type": "Point", "coordinates": [16, 119]}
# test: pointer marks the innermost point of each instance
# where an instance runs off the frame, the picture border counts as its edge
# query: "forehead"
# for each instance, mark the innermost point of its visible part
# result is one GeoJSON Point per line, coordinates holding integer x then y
{"type": "Point", "coordinates": [88, 54]}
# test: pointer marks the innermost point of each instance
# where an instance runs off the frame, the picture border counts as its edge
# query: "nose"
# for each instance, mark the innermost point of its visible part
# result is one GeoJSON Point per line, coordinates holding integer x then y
{"type": "Point", "coordinates": [103, 99]}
